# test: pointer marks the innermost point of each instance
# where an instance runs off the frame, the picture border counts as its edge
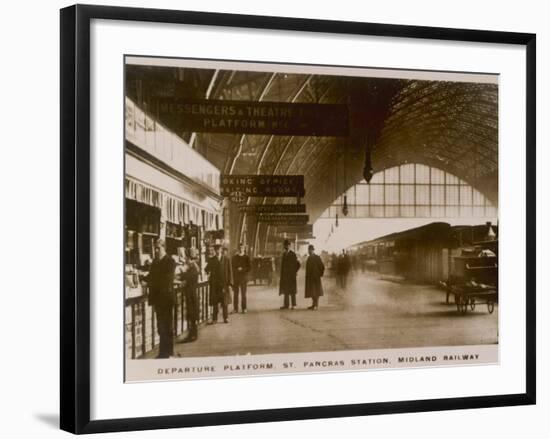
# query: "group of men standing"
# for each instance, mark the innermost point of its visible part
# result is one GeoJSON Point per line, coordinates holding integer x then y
{"type": "Point", "coordinates": [224, 274]}
{"type": "Point", "coordinates": [289, 270]}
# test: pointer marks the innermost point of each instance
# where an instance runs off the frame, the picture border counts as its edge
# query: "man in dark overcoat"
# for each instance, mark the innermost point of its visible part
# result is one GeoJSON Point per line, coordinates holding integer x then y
{"type": "Point", "coordinates": [241, 268]}
{"type": "Point", "coordinates": [190, 279]}
{"type": "Point", "coordinates": [220, 280]}
{"type": "Point", "coordinates": [314, 271]}
{"type": "Point", "coordinates": [162, 298]}
{"type": "Point", "coordinates": [289, 268]}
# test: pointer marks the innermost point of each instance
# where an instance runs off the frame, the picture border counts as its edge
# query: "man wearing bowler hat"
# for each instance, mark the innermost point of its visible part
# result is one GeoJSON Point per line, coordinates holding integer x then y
{"type": "Point", "coordinates": [289, 269]}
{"type": "Point", "coordinates": [241, 267]}
{"type": "Point", "coordinates": [314, 271]}
{"type": "Point", "coordinates": [162, 297]}
{"type": "Point", "coordinates": [220, 279]}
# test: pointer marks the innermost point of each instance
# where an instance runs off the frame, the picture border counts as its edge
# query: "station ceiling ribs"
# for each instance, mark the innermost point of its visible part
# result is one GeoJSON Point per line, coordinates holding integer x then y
{"type": "Point", "coordinates": [452, 126]}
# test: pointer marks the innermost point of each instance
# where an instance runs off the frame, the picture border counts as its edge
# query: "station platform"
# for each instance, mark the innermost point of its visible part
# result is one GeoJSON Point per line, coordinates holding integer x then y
{"type": "Point", "coordinates": [372, 313]}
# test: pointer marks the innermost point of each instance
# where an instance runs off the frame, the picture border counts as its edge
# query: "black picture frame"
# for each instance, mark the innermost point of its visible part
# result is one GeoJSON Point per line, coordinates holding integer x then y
{"type": "Point", "coordinates": [75, 217]}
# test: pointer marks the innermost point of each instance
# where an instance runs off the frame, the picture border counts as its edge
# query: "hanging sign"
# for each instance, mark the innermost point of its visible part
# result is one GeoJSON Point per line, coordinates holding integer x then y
{"type": "Point", "coordinates": [247, 117]}
{"type": "Point", "coordinates": [255, 209]}
{"type": "Point", "coordinates": [238, 197]}
{"type": "Point", "coordinates": [283, 220]}
{"type": "Point", "coordinates": [262, 185]}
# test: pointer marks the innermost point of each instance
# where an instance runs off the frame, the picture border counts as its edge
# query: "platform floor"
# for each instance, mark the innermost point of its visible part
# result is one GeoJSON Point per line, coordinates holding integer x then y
{"type": "Point", "coordinates": [373, 313]}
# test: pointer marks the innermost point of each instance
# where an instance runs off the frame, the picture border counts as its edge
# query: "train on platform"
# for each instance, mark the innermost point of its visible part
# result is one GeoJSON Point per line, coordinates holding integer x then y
{"type": "Point", "coordinates": [461, 259]}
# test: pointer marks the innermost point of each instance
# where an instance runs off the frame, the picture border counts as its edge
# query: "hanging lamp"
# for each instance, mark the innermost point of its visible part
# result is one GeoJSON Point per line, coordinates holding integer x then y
{"type": "Point", "coordinates": [345, 209]}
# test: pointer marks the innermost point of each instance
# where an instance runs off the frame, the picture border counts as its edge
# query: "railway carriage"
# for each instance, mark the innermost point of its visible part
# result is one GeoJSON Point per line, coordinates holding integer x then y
{"type": "Point", "coordinates": [463, 259]}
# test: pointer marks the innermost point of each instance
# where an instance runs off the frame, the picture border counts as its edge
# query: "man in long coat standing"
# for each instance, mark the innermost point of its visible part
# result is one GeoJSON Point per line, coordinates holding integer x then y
{"type": "Point", "coordinates": [289, 268]}
{"type": "Point", "coordinates": [162, 297]}
{"type": "Point", "coordinates": [220, 280]}
{"type": "Point", "coordinates": [241, 267]}
{"type": "Point", "coordinates": [314, 271]}
{"type": "Point", "coordinates": [190, 277]}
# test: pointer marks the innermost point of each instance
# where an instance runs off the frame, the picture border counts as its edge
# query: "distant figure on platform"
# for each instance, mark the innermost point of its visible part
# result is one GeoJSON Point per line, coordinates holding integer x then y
{"type": "Point", "coordinates": [162, 297]}
{"type": "Point", "coordinates": [336, 272]}
{"type": "Point", "coordinates": [220, 279]}
{"type": "Point", "coordinates": [256, 270]}
{"type": "Point", "coordinates": [343, 268]}
{"type": "Point", "coordinates": [241, 268]}
{"type": "Point", "coordinates": [287, 283]}
{"type": "Point", "coordinates": [190, 278]}
{"type": "Point", "coordinates": [314, 271]}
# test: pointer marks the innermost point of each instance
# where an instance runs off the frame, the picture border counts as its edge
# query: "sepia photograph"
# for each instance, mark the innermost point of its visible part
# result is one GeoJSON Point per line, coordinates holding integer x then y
{"type": "Point", "coordinates": [286, 218]}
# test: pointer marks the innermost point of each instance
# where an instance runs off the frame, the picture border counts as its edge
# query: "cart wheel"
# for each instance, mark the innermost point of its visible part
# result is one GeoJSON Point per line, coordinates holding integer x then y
{"type": "Point", "coordinates": [472, 304]}
{"type": "Point", "coordinates": [490, 307]}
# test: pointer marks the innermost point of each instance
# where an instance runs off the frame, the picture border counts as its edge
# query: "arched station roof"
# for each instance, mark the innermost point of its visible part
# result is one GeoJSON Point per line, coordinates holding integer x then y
{"type": "Point", "coordinates": [452, 126]}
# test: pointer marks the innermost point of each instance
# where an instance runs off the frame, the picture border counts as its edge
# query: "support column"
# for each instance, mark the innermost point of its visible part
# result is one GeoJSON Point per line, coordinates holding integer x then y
{"type": "Point", "coordinates": [231, 224]}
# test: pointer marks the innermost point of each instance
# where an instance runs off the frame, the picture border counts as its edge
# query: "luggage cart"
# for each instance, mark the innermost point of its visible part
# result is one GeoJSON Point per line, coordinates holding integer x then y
{"type": "Point", "coordinates": [474, 282]}
{"type": "Point", "coordinates": [467, 297]}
